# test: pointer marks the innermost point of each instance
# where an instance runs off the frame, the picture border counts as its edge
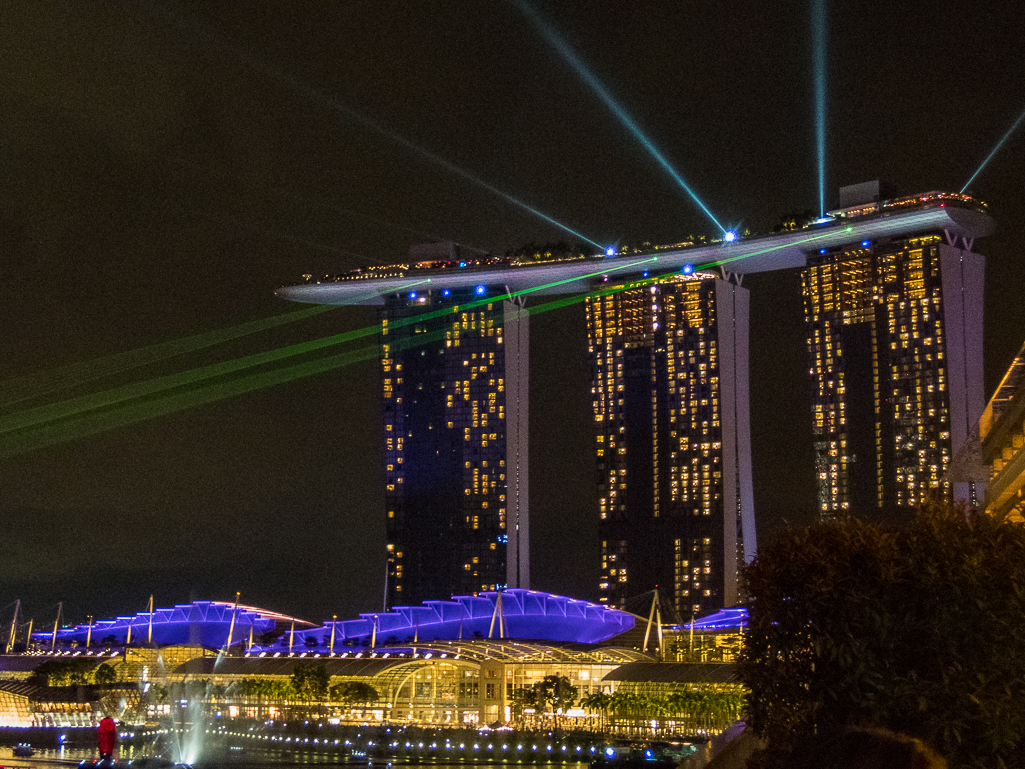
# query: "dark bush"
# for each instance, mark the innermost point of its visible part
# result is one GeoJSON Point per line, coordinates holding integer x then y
{"type": "Point", "coordinates": [919, 630]}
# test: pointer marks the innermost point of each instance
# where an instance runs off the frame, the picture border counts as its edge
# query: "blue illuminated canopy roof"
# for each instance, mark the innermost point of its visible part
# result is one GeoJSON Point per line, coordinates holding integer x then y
{"type": "Point", "coordinates": [724, 619]}
{"type": "Point", "coordinates": [523, 614]}
{"type": "Point", "coordinates": [201, 622]}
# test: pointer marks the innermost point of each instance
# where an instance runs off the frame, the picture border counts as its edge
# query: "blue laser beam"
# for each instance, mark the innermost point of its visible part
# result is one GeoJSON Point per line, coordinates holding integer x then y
{"type": "Point", "coordinates": [336, 105]}
{"type": "Point", "coordinates": [996, 149]}
{"type": "Point", "coordinates": [818, 34]}
{"type": "Point", "coordinates": [603, 93]}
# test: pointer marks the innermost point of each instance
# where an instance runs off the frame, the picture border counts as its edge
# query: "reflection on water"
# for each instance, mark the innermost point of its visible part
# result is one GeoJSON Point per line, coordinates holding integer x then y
{"type": "Point", "coordinates": [63, 758]}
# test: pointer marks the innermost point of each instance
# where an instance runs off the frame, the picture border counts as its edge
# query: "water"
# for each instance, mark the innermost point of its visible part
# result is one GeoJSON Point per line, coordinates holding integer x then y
{"type": "Point", "coordinates": [63, 758]}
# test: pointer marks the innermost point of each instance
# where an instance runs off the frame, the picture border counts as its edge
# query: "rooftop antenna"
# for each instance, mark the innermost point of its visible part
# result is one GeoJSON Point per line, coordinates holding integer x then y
{"type": "Point", "coordinates": [373, 635]}
{"type": "Point", "coordinates": [28, 638]}
{"type": "Point", "coordinates": [334, 622]}
{"type": "Point", "coordinates": [89, 632]}
{"type": "Point", "coordinates": [56, 624]}
{"type": "Point", "coordinates": [291, 637]}
{"type": "Point", "coordinates": [149, 632]}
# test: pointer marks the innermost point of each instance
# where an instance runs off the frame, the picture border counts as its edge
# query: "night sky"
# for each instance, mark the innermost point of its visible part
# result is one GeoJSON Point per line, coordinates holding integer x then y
{"type": "Point", "coordinates": [166, 166]}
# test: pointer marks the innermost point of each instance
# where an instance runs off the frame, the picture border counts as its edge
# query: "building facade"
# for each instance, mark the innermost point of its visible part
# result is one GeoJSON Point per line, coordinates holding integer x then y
{"type": "Point", "coordinates": [454, 393]}
{"type": "Point", "coordinates": [669, 363]}
{"type": "Point", "coordinates": [894, 335]}
{"type": "Point", "coordinates": [993, 457]}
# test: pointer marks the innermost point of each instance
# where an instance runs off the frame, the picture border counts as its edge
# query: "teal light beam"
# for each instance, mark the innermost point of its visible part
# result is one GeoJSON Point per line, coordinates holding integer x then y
{"type": "Point", "coordinates": [53, 380]}
{"type": "Point", "coordinates": [294, 83]}
{"type": "Point", "coordinates": [585, 73]}
{"type": "Point", "coordinates": [996, 149]}
{"type": "Point", "coordinates": [818, 29]}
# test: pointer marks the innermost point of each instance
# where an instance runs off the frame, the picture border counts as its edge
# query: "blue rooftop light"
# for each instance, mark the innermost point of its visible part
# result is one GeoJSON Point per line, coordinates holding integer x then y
{"type": "Point", "coordinates": [822, 250]}
{"type": "Point", "coordinates": [687, 269]}
{"type": "Point", "coordinates": [412, 294]}
{"type": "Point", "coordinates": [446, 292]}
{"type": "Point", "coordinates": [610, 251]}
{"type": "Point", "coordinates": [730, 236]}
{"type": "Point", "coordinates": [480, 290]}
{"type": "Point", "coordinates": [462, 264]}
{"type": "Point", "coordinates": [866, 243]}
{"type": "Point", "coordinates": [645, 273]}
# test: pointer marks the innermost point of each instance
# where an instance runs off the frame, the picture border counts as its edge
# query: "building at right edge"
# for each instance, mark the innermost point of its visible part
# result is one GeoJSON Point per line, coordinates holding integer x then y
{"type": "Point", "coordinates": [669, 365]}
{"type": "Point", "coordinates": [894, 334]}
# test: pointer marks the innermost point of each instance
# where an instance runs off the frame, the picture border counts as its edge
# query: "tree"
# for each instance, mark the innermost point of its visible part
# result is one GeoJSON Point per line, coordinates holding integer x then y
{"type": "Point", "coordinates": [354, 693]}
{"type": "Point", "coordinates": [523, 698]}
{"type": "Point", "coordinates": [556, 693]}
{"type": "Point", "coordinates": [310, 679]}
{"type": "Point", "coordinates": [601, 702]}
{"type": "Point", "coordinates": [795, 221]}
{"type": "Point", "coordinates": [915, 629]}
{"type": "Point", "coordinates": [105, 675]}
{"type": "Point", "coordinates": [64, 672]}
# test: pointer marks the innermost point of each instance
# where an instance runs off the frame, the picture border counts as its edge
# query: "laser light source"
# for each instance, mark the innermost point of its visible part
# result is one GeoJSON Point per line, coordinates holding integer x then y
{"type": "Point", "coordinates": [730, 236]}
{"type": "Point", "coordinates": [688, 269]}
{"type": "Point", "coordinates": [610, 251]}
{"type": "Point", "coordinates": [480, 290]}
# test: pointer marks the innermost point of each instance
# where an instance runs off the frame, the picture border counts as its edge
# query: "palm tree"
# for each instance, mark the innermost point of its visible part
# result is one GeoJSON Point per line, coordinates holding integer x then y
{"type": "Point", "coordinates": [600, 702]}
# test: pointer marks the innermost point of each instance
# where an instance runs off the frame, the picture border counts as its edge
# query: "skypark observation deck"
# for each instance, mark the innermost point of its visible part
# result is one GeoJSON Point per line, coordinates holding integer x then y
{"type": "Point", "coordinates": [960, 217]}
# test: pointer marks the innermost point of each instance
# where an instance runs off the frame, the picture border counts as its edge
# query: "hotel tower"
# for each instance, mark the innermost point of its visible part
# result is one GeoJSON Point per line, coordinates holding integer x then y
{"type": "Point", "coordinates": [454, 386]}
{"type": "Point", "coordinates": [894, 335]}
{"type": "Point", "coordinates": [669, 361]}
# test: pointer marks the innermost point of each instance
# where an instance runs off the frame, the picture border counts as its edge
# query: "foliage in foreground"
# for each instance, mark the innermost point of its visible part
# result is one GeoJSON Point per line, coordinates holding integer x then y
{"type": "Point", "coordinates": [919, 629]}
{"type": "Point", "coordinates": [696, 706]}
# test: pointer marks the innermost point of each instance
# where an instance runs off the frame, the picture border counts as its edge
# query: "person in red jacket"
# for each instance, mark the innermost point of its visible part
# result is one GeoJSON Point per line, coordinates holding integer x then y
{"type": "Point", "coordinates": [107, 738]}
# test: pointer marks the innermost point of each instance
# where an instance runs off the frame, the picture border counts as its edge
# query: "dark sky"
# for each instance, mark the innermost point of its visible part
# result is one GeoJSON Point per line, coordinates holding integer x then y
{"type": "Point", "coordinates": [166, 166]}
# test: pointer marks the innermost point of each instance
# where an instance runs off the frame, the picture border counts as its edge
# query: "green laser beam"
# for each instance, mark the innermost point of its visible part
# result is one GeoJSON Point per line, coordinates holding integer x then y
{"type": "Point", "coordinates": [91, 424]}
{"type": "Point", "coordinates": [78, 425]}
{"type": "Point", "coordinates": [421, 317]}
{"type": "Point", "coordinates": [44, 382]}
{"type": "Point", "coordinates": [72, 406]}
{"type": "Point", "coordinates": [418, 318]}
{"type": "Point", "coordinates": [93, 401]}
{"type": "Point", "coordinates": [766, 250]}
